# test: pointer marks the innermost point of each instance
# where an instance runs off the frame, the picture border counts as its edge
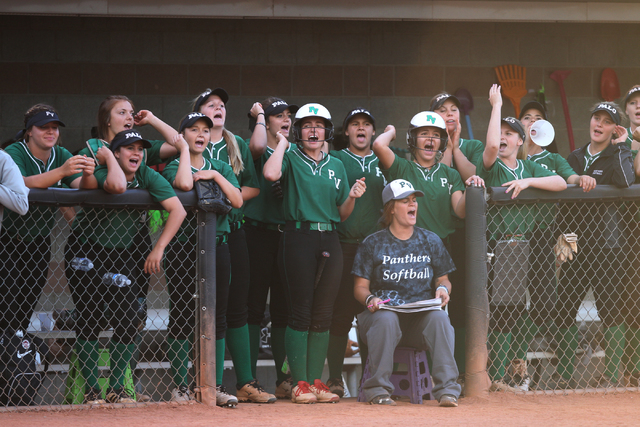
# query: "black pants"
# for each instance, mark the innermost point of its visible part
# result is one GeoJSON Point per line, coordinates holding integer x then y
{"type": "Point", "coordinates": [263, 248]}
{"type": "Point", "coordinates": [603, 269]}
{"type": "Point", "coordinates": [346, 306]}
{"type": "Point", "coordinates": [180, 270]}
{"type": "Point", "coordinates": [239, 288]}
{"type": "Point", "coordinates": [542, 276]}
{"type": "Point", "coordinates": [23, 273]}
{"type": "Point", "coordinates": [457, 250]}
{"type": "Point", "coordinates": [142, 249]}
{"type": "Point", "coordinates": [632, 303]}
{"type": "Point", "coordinates": [94, 299]}
{"type": "Point", "coordinates": [310, 306]}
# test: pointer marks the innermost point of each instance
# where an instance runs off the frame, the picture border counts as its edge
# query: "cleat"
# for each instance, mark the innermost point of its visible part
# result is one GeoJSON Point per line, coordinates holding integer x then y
{"type": "Point", "coordinates": [283, 390]}
{"type": "Point", "coordinates": [322, 393]}
{"type": "Point", "coordinates": [302, 393]}
{"type": "Point", "coordinates": [383, 399]}
{"type": "Point", "coordinates": [94, 397]}
{"type": "Point", "coordinates": [448, 401]}
{"type": "Point", "coordinates": [224, 399]}
{"type": "Point", "coordinates": [119, 396]}
{"type": "Point", "coordinates": [336, 386]}
{"type": "Point", "coordinates": [180, 394]}
{"type": "Point", "coordinates": [253, 392]}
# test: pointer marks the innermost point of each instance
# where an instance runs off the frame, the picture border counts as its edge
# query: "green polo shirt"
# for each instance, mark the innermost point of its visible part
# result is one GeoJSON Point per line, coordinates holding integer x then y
{"type": "Point", "coordinates": [514, 219]}
{"type": "Point", "coordinates": [366, 213]}
{"type": "Point", "coordinates": [472, 150]}
{"type": "Point", "coordinates": [559, 166]}
{"type": "Point", "coordinates": [187, 230]}
{"type": "Point", "coordinates": [313, 191]}
{"type": "Point", "coordinates": [438, 184]}
{"type": "Point", "coordinates": [40, 219]}
{"type": "Point", "coordinates": [116, 228]}
{"type": "Point", "coordinates": [246, 178]}
{"type": "Point", "coordinates": [151, 155]}
{"type": "Point", "coordinates": [265, 207]}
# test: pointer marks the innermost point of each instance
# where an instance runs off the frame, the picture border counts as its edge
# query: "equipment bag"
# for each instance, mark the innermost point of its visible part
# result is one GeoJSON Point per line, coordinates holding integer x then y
{"type": "Point", "coordinates": [20, 354]}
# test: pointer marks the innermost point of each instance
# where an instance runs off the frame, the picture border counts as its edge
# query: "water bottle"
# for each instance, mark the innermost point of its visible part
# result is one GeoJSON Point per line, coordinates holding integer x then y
{"type": "Point", "coordinates": [116, 279]}
{"type": "Point", "coordinates": [83, 264]}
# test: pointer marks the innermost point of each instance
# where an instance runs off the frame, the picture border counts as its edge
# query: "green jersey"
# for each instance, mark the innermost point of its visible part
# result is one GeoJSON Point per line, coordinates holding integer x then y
{"type": "Point", "coordinates": [246, 178]}
{"type": "Point", "coordinates": [40, 219]}
{"type": "Point", "coordinates": [366, 213]}
{"type": "Point", "coordinates": [559, 166]}
{"type": "Point", "coordinates": [435, 212]}
{"type": "Point", "coordinates": [472, 150]}
{"type": "Point", "coordinates": [151, 155]}
{"type": "Point", "coordinates": [511, 220]}
{"type": "Point", "coordinates": [187, 230]}
{"type": "Point", "coordinates": [313, 191]}
{"type": "Point", "coordinates": [116, 228]}
{"type": "Point", "coordinates": [265, 207]}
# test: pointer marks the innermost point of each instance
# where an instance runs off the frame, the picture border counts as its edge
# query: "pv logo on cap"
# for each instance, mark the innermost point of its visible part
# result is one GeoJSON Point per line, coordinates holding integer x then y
{"type": "Point", "coordinates": [313, 110]}
{"type": "Point", "coordinates": [276, 103]}
{"type": "Point", "coordinates": [133, 135]}
{"type": "Point", "coordinates": [510, 120]}
{"type": "Point", "coordinates": [49, 113]}
{"type": "Point", "coordinates": [443, 96]}
{"type": "Point", "coordinates": [358, 111]}
{"type": "Point", "coordinates": [192, 115]}
{"type": "Point", "coordinates": [431, 119]}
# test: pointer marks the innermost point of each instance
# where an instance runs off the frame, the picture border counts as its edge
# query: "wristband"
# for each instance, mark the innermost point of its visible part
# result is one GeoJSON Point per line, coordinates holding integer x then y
{"type": "Point", "coordinates": [259, 114]}
{"type": "Point", "coordinates": [265, 126]}
{"type": "Point", "coordinates": [369, 298]}
{"type": "Point", "coordinates": [443, 287]}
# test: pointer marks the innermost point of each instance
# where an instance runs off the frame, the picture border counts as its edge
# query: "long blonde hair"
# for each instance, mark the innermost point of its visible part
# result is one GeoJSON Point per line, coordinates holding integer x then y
{"type": "Point", "coordinates": [233, 150]}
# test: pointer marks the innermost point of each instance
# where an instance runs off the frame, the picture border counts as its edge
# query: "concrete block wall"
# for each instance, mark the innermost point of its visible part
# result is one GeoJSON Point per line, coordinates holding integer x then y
{"type": "Point", "coordinates": [393, 68]}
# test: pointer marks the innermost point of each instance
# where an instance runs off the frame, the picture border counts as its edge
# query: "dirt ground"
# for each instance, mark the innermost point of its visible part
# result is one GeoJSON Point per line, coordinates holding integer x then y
{"type": "Point", "coordinates": [573, 410]}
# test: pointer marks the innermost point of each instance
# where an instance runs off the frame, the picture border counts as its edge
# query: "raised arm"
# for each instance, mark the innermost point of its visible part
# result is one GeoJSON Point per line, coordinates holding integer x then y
{"type": "Point", "coordinates": [357, 190]}
{"type": "Point", "coordinates": [258, 141]}
{"type": "Point", "coordinates": [146, 117]}
{"type": "Point", "coordinates": [492, 146]}
{"type": "Point", "coordinates": [116, 181]}
{"type": "Point", "coordinates": [184, 178]}
{"type": "Point", "coordinates": [381, 148]}
{"type": "Point", "coordinates": [272, 169]}
{"type": "Point", "coordinates": [623, 175]}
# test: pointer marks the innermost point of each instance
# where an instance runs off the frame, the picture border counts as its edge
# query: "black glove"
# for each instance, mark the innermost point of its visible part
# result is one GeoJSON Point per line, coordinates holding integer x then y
{"type": "Point", "coordinates": [276, 189]}
{"type": "Point", "coordinates": [211, 198]}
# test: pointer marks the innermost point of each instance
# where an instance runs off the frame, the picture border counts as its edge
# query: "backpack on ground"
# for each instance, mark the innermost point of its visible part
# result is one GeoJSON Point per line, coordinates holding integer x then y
{"type": "Point", "coordinates": [20, 355]}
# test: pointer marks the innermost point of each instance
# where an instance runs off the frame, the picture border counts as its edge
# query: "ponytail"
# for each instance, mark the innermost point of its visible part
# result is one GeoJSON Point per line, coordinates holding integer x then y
{"type": "Point", "coordinates": [233, 150]}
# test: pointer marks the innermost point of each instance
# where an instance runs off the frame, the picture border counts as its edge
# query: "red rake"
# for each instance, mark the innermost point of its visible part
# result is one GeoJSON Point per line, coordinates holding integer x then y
{"type": "Point", "coordinates": [513, 79]}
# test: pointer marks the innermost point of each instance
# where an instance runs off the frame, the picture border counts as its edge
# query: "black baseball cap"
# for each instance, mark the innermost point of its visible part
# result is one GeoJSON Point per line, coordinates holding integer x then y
{"type": "Point", "coordinates": [516, 125]}
{"type": "Point", "coordinates": [632, 91]}
{"type": "Point", "coordinates": [534, 105]}
{"type": "Point", "coordinates": [278, 106]}
{"type": "Point", "coordinates": [44, 117]}
{"type": "Point", "coordinates": [355, 112]}
{"type": "Point", "coordinates": [127, 137]}
{"type": "Point", "coordinates": [202, 98]}
{"type": "Point", "coordinates": [611, 109]}
{"type": "Point", "coordinates": [438, 100]}
{"type": "Point", "coordinates": [191, 118]}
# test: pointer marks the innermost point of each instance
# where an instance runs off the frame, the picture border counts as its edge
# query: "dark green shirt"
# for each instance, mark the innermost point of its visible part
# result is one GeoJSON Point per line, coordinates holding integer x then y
{"type": "Point", "coordinates": [366, 213]}
{"type": "Point", "coordinates": [151, 155]}
{"type": "Point", "coordinates": [222, 221]}
{"type": "Point", "coordinates": [116, 228]}
{"type": "Point", "coordinates": [472, 150]}
{"type": "Point", "coordinates": [40, 219]}
{"type": "Point", "coordinates": [438, 184]}
{"type": "Point", "coordinates": [313, 191]}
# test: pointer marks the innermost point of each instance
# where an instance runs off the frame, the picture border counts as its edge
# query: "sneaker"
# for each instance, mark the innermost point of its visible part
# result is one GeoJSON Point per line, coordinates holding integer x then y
{"type": "Point", "coordinates": [180, 394]}
{"type": "Point", "coordinates": [500, 385]}
{"type": "Point", "coordinates": [225, 399]}
{"type": "Point", "coordinates": [322, 392]}
{"type": "Point", "coordinates": [448, 401]}
{"type": "Point", "coordinates": [302, 393]}
{"type": "Point", "coordinates": [283, 390]}
{"type": "Point", "coordinates": [336, 385]}
{"type": "Point", "coordinates": [119, 396]}
{"type": "Point", "coordinates": [94, 397]}
{"type": "Point", "coordinates": [253, 392]}
{"type": "Point", "coordinates": [520, 378]}
{"type": "Point", "coordinates": [383, 399]}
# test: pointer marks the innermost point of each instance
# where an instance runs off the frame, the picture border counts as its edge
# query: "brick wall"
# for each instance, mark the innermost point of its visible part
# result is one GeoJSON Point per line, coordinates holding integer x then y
{"type": "Point", "coordinates": [393, 68]}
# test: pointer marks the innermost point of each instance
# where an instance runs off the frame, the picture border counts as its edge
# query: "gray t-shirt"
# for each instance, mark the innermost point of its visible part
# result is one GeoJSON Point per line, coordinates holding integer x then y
{"type": "Point", "coordinates": [402, 270]}
{"type": "Point", "coordinates": [13, 193]}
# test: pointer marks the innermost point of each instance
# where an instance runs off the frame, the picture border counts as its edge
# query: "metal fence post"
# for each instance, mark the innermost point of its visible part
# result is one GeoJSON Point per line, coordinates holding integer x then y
{"type": "Point", "coordinates": [206, 342]}
{"type": "Point", "coordinates": [477, 302]}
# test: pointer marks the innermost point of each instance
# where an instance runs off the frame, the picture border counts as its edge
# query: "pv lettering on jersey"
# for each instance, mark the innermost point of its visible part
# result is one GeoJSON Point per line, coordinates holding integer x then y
{"type": "Point", "coordinates": [332, 175]}
{"type": "Point", "coordinates": [410, 258]}
{"type": "Point", "coordinates": [444, 182]}
{"type": "Point", "coordinates": [403, 274]}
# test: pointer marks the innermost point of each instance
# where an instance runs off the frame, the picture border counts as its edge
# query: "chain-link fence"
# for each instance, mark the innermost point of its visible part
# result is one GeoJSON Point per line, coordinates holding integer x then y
{"type": "Point", "coordinates": [81, 321]}
{"type": "Point", "coordinates": [564, 290]}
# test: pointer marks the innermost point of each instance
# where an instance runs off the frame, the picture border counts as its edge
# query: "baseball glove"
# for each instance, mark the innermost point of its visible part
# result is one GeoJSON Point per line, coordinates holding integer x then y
{"type": "Point", "coordinates": [566, 246]}
{"type": "Point", "coordinates": [211, 198]}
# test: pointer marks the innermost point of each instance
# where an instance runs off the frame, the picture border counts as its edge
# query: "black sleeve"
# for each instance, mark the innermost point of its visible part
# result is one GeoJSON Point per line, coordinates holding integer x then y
{"type": "Point", "coordinates": [574, 162]}
{"type": "Point", "coordinates": [623, 174]}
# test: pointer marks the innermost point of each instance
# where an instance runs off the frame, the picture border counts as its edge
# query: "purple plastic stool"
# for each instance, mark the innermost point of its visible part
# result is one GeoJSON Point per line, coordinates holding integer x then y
{"type": "Point", "coordinates": [415, 382]}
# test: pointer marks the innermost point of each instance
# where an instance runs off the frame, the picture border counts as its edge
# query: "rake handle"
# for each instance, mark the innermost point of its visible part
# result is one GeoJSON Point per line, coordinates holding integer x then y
{"type": "Point", "coordinates": [565, 108]}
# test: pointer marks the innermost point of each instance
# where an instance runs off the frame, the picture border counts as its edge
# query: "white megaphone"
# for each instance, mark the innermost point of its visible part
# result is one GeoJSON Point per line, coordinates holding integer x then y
{"type": "Point", "coordinates": [542, 133]}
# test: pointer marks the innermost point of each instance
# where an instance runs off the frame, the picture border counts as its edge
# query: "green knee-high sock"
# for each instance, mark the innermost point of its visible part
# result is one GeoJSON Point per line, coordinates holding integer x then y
{"type": "Point", "coordinates": [566, 352]}
{"type": "Point", "coordinates": [120, 357]}
{"type": "Point", "coordinates": [296, 345]}
{"type": "Point", "coordinates": [633, 344]}
{"type": "Point", "coordinates": [615, 339]}
{"type": "Point", "coordinates": [254, 347]}
{"type": "Point", "coordinates": [219, 360]}
{"type": "Point", "coordinates": [523, 333]}
{"type": "Point", "coordinates": [279, 351]}
{"type": "Point", "coordinates": [499, 344]}
{"type": "Point", "coordinates": [335, 354]}
{"type": "Point", "coordinates": [238, 343]}
{"type": "Point", "coordinates": [317, 347]}
{"type": "Point", "coordinates": [459, 349]}
{"type": "Point", "coordinates": [179, 358]}
{"type": "Point", "coordinates": [88, 355]}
